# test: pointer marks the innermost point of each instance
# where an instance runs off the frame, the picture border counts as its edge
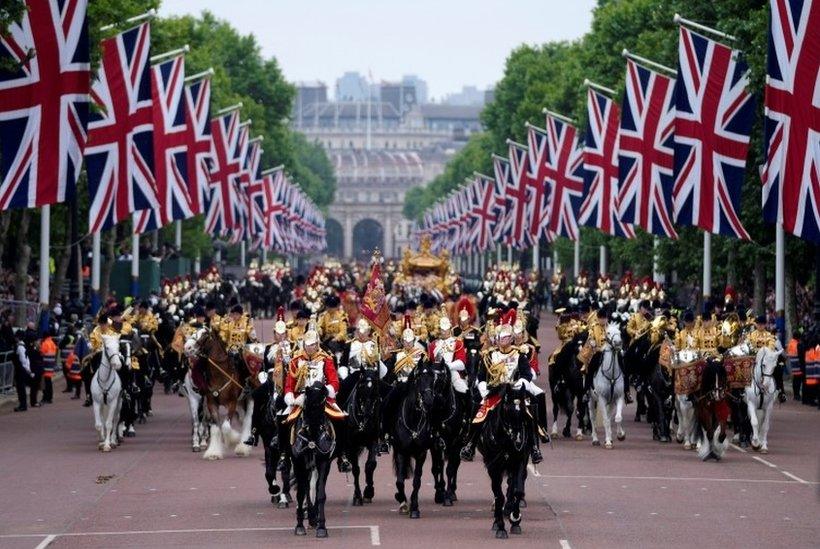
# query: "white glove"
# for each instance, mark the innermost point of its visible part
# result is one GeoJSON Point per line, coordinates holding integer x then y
{"type": "Point", "coordinates": [519, 383]}
{"type": "Point", "coordinates": [456, 365]}
{"type": "Point", "coordinates": [482, 389]}
{"type": "Point", "coordinates": [289, 399]}
{"type": "Point", "coordinates": [300, 401]}
{"type": "Point", "coordinates": [331, 392]}
{"type": "Point", "coordinates": [343, 372]}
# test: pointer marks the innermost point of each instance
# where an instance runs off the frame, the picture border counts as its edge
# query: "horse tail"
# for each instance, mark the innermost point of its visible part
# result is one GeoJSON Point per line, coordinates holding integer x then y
{"type": "Point", "coordinates": [402, 464]}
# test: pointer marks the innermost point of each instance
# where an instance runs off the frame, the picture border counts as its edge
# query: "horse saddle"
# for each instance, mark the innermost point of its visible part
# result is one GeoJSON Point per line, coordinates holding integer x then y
{"type": "Point", "coordinates": [488, 405]}
{"type": "Point", "coordinates": [331, 411]}
{"type": "Point", "coordinates": [324, 443]}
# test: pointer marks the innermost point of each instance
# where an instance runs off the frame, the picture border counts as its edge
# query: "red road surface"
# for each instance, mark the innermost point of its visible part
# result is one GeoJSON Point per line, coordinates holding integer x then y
{"type": "Point", "coordinates": [57, 490]}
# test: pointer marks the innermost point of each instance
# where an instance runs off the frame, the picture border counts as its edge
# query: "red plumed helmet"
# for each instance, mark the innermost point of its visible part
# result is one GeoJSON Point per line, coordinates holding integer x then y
{"type": "Point", "coordinates": [509, 317]}
{"type": "Point", "coordinates": [464, 304]}
{"type": "Point", "coordinates": [280, 313]}
{"type": "Point", "coordinates": [729, 295]}
{"type": "Point", "coordinates": [408, 321]}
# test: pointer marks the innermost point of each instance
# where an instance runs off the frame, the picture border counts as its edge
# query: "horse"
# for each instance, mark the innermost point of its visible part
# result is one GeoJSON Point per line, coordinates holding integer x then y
{"type": "Point", "coordinates": [451, 411]}
{"type": "Point", "coordinates": [712, 411]}
{"type": "Point", "coordinates": [608, 387]}
{"type": "Point", "coordinates": [199, 432]}
{"type": "Point", "coordinates": [106, 392]}
{"type": "Point", "coordinates": [226, 387]}
{"type": "Point", "coordinates": [505, 441]}
{"type": "Point", "coordinates": [313, 445]}
{"type": "Point", "coordinates": [361, 430]}
{"type": "Point", "coordinates": [567, 388]}
{"type": "Point", "coordinates": [275, 440]}
{"type": "Point", "coordinates": [760, 396]}
{"type": "Point", "coordinates": [412, 434]}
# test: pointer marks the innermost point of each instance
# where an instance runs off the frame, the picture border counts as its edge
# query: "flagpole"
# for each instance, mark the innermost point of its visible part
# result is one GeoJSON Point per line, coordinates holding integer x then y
{"type": "Point", "coordinates": [510, 255]}
{"type": "Point", "coordinates": [242, 253]}
{"type": "Point", "coordinates": [602, 259]}
{"type": "Point", "coordinates": [178, 234]}
{"type": "Point", "coordinates": [692, 24]}
{"type": "Point", "coordinates": [95, 272]}
{"type": "Point", "coordinates": [135, 265]}
{"type": "Point", "coordinates": [655, 270]}
{"type": "Point", "coordinates": [264, 255]}
{"type": "Point", "coordinates": [707, 265]}
{"type": "Point", "coordinates": [197, 264]}
{"type": "Point", "coordinates": [780, 281]}
{"type": "Point", "coordinates": [168, 54]}
{"type": "Point", "coordinates": [150, 14]}
{"type": "Point", "coordinates": [498, 253]}
{"type": "Point", "coordinates": [577, 260]}
{"type": "Point", "coordinates": [535, 255]}
{"type": "Point", "coordinates": [45, 260]}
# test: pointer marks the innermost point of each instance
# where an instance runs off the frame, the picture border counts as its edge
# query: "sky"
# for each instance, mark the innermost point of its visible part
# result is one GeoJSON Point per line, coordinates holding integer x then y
{"type": "Point", "coordinates": [448, 43]}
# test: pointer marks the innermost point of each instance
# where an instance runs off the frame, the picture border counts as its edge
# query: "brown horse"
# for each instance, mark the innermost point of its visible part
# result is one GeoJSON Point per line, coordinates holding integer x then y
{"type": "Point", "coordinates": [226, 388]}
{"type": "Point", "coordinates": [712, 411]}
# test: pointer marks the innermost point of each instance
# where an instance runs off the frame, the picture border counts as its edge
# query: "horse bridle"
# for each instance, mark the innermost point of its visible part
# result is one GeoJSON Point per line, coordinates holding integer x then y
{"type": "Point", "coordinates": [761, 389]}
{"type": "Point", "coordinates": [108, 377]}
{"type": "Point", "coordinates": [414, 433]}
{"type": "Point", "coordinates": [352, 407]}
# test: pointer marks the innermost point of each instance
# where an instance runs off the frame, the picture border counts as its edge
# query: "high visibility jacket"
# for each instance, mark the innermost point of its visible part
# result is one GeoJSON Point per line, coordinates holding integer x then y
{"type": "Point", "coordinates": [812, 360]}
{"type": "Point", "coordinates": [48, 350]}
{"type": "Point", "coordinates": [73, 367]}
{"type": "Point", "coordinates": [793, 358]}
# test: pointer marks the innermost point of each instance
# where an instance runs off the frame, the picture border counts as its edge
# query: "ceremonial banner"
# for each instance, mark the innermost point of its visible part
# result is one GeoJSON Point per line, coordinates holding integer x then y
{"type": "Point", "coordinates": [198, 111]}
{"type": "Point", "coordinates": [224, 176]}
{"type": "Point", "coordinates": [43, 103]}
{"type": "Point", "coordinates": [565, 177]}
{"type": "Point", "coordinates": [374, 303]}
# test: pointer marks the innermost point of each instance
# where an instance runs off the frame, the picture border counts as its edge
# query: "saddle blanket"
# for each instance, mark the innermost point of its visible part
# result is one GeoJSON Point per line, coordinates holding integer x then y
{"type": "Point", "coordinates": [487, 405]}
{"type": "Point", "coordinates": [738, 374]}
{"type": "Point", "coordinates": [332, 411]}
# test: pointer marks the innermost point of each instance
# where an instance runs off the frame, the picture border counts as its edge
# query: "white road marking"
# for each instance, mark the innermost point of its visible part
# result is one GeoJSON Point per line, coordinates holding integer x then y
{"type": "Point", "coordinates": [680, 479]}
{"type": "Point", "coordinates": [46, 542]}
{"type": "Point", "coordinates": [375, 538]}
{"type": "Point", "coordinates": [564, 544]}
{"type": "Point", "coordinates": [768, 463]}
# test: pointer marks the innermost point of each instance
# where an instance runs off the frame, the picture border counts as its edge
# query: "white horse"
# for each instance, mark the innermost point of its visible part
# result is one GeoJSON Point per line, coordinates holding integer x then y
{"type": "Point", "coordinates": [199, 432]}
{"type": "Point", "coordinates": [760, 396]}
{"type": "Point", "coordinates": [608, 388]}
{"type": "Point", "coordinates": [686, 421]}
{"type": "Point", "coordinates": [106, 393]}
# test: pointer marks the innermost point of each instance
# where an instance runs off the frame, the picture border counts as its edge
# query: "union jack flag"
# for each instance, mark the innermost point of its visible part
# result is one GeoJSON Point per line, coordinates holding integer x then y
{"type": "Point", "coordinates": [484, 211]}
{"type": "Point", "coordinates": [503, 204]}
{"type": "Point", "coordinates": [518, 193]}
{"type": "Point", "coordinates": [713, 120]}
{"type": "Point", "coordinates": [241, 227]}
{"type": "Point", "coordinates": [599, 208]}
{"type": "Point", "coordinates": [43, 103]}
{"type": "Point", "coordinates": [274, 208]}
{"type": "Point", "coordinates": [198, 110]}
{"type": "Point", "coordinates": [254, 188]}
{"type": "Point", "coordinates": [645, 151]}
{"type": "Point", "coordinates": [224, 176]}
{"type": "Point", "coordinates": [120, 153]}
{"type": "Point", "coordinates": [565, 176]}
{"type": "Point", "coordinates": [537, 147]}
{"type": "Point", "coordinates": [791, 173]}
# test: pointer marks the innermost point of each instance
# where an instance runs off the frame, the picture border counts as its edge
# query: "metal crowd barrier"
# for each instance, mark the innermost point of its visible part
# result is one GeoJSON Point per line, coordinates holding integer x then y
{"type": "Point", "coordinates": [6, 373]}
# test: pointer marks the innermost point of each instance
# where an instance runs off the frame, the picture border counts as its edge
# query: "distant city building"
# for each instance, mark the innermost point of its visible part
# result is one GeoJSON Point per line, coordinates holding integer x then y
{"type": "Point", "coordinates": [352, 86]}
{"type": "Point", "coordinates": [308, 94]}
{"type": "Point", "coordinates": [419, 84]}
{"type": "Point", "coordinates": [400, 95]}
{"type": "Point", "coordinates": [469, 95]}
{"type": "Point", "coordinates": [489, 96]}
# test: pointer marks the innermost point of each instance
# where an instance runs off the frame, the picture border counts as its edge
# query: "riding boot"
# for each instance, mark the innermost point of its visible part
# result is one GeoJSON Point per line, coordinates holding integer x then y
{"type": "Point", "coordinates": [541, 417]}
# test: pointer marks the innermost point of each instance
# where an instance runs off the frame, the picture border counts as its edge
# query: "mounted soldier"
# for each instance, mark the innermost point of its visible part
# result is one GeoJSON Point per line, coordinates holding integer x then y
{"type": "Point", "coordinates": [333, 327]}
{"type": "Point", "coordinates": [308, 366]}
{"type": "Point", "coordinates": [761, 337]}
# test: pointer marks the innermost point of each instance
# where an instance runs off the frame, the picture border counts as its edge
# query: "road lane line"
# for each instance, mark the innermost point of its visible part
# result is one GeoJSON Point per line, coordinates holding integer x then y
{"type": "Point", "coordinates": [764, 462]}
{"type": "Point", "coordinates": [682, 479]}
{"type": "Point", "coordinates": [46, 542]}
{"type": "Point", "coordinates": [795, 477]}
{"type": "Point", "coordinates": [564, 544]}
{"type": "Point", "coordinates": [375, 538]}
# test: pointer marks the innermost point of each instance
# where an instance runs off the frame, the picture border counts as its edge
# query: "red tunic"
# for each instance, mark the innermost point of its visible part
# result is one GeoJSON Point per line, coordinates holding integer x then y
{"type": "Point", "coordinates": [459, 352]}
{"type": "Point", "coordinates": [329, 373]}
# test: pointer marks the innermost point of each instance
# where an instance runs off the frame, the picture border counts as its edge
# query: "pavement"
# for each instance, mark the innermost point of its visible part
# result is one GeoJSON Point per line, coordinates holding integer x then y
{"type": "Point", "coordinates": [57, 490]}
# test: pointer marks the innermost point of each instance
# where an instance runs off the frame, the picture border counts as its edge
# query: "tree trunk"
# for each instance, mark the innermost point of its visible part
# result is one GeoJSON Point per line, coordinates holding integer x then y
{"type": "Point", "coordinates": [760, 285]}
{"type": "Point", "coordinates": [108, 264]}
{"type": "Point", "coordinates": [62, 260]}
{"type": "Point", "coordinates": [791, 302]}
{"type": "Point", "coordinates": [21, 264]}
{"type": "Point", "coordinates": [5, 223]}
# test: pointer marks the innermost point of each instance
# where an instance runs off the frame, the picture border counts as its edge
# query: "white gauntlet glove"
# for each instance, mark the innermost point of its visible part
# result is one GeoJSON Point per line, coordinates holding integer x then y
{"type": "Point", "coordinates": [482, 389]}
{"type": "Point", "coordinates": [343, 372]}
{"type": "Point", "coordinates": [289, 399]}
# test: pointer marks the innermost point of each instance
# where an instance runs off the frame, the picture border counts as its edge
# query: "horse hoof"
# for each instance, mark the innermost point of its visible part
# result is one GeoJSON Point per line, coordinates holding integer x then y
{"type": "Point", "coordinates": [566, 433]}
{"type": "Point", "coordinates": [368, 500]}
{"type": "Point", "coordinates": [608, 445]}
{"type": "Point", "coordinates": [106, 449]}
{"type": "Point", "coordinates": [321, 532]}
{"type": "Point", "coordinates": [404, 508]}
{"type": "Point", "coordinates": [679, 439]}
{"type": "Point", "coordinates": [756, 446]}
{"type": "Point", "coordinates": [579, 436]}
{"type": "Point", "coordinates": [447, 502]}
{"type": "Point", "coordinates": [300, 531]}
{"type": "Point", "coordinates": [282, 505]}
{"type": "Point", "coordinates": [357, 501]}
{"type": "Point", "coordinates": [494, 528]}
{"type": "Point", "coordinates": [368, 494]}
{"type": "Point", "coordinates": [621, 437]}
{"type": "Point", "coordinates": [439, 497]}
{"type": "Point", "coordinates": [515, 529]}
{"type": "Point", "coordinates": [764, 450]}
{"type": "Point", "coordinates": [196, 449]}
{"type": "Point", "coordinates": [501, 534]}
{"type": "Point", "coordinates": [687, 446]}
{"type": "Point", "coordinates": [522, 504]}
{"type": "Point", "coordinates": [665, 439]}
{"type": "Point", "coordinates": [596, 442]}
{"type": "Point", "coordinates": [415, 514]}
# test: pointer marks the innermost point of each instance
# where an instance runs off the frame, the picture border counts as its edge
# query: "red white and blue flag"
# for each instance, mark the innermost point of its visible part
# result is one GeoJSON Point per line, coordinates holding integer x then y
{"type": "Point", "coordinates": [565, 177]}
{"type": "Point", "coordinates": [484, 211]}
{"type": "Point", "coordinates": [645, 151]}
{"type": "Point", "coordinates": [43, 103]}
{"type": "Point", "coordinates": [241, 226]}
{"type": "Point", "coordinates": [198, 110]}
{"type": "Point", "coordinates": [538, 146]}
{"type": "Point", "coordinates": [503, 204]}
{"type": "Point", "coordinates": [224, 176]}
{"type": "Point", "coordinates": [599, 208]}
{"type": "Point", "coordinates": [791, 172]}
{"type": "Point", "coordinates": [518, 193]}
{"type": "Point", "coordinates": [120, 150]}
{"type": "Point", "coordinates": [713, 120]}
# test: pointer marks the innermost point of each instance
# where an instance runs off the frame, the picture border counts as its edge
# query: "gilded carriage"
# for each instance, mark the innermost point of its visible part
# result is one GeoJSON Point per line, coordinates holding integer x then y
{"type": "Point", "coordinates": [426, 271]}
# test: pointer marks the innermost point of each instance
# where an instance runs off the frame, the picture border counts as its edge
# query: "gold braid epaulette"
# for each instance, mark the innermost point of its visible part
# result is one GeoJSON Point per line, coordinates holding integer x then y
{"type": "Point", "coordinates": [408, 359]}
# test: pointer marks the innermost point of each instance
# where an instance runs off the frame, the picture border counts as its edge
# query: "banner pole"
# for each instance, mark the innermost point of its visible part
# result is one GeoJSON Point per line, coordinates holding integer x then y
{"type": "Point", "coordinates": [707, 265]}
{"type": "Point", "coordinates": [602, 259]}
{"type": "Point", "coordinates": [135, 265]}
{"type": "Point", "coordinates": [95, 272]}
{"type": "Point", "coordinates": [45, 262]}
{"type": "Point", "coordinates": [577, 259]}
{"type": "Point", "coordinates": [780, 281]}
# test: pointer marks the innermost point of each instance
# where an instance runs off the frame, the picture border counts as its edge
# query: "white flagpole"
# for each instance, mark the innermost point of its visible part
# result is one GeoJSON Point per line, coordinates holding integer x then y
{"type": "Point", "coordinates": [45, 238]}
{"type": "Point", "coordinates": [178, 234]}
{"type": "Point", "coordinates": [498, 253]}
{"type": "Point", "coordinates": [535, 255]}
{"type": "Point", "coordinates": [656, 277]}
{"type": "Point", "coordinates": [197, 266]}
{"type": "Point", "coordinates": [242, 253]}
{"type": "Point", "coordinates": [95, 272]}
{"type": "Point", "coordinates": [135, 265]}
{"type": "Point", "coordinates": [602, 259]}
{"type": "Point", "coordinates": [780, 278]}
{"type": "Point", "coordinates": [509, 254]}
{"type": "Point", "coordinates": [264, 255]}
{"type": "Point", "coordinates": [577, 260]}
{"type": "Point", "coordinates": [707, 265]}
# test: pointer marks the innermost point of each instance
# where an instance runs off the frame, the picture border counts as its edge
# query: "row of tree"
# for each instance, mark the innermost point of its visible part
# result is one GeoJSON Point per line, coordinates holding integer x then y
{"type": "Point", "coordinates": [551, 75]}
{"type": "Point", "coordinates": [241, 74]}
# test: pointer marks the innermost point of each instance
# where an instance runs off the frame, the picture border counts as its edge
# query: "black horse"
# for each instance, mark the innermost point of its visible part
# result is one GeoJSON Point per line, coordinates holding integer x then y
{"type": "Point", "coordinates": [411, 433]}
{"type": "Point", "coordinates": [314, 444]}
{"type": "Point", "coordinates": [505, 441]}
{"type": "Point", "coordinates": [362, 428]}
{"type": "Point", "coordinates": [276, 441]}
{"type": "Point", "coordinates": [567, 386]}
{"type": "Point", "coordinates": [451, 412]}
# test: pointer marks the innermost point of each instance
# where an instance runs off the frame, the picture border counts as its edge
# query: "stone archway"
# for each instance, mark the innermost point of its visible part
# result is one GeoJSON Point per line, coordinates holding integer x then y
{"type": "Point", "coordinates": [368, 234]}
{"type": "Point", "coordinates": [335, 238]}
